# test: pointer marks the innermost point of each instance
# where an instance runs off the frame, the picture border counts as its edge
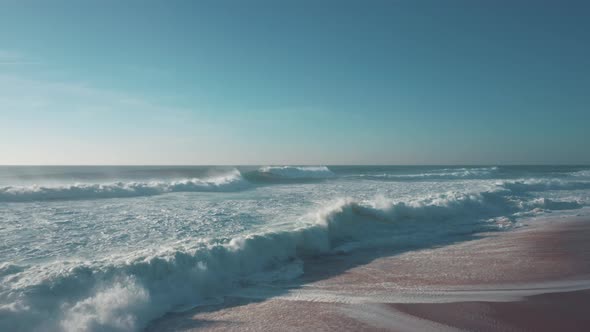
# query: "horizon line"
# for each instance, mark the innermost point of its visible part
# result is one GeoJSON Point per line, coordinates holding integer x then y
{"type": "Point", "coordinates": [285, 164]}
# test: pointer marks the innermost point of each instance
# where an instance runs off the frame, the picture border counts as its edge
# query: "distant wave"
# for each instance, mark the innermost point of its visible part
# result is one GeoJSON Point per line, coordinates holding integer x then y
{"type": "Point", "coordinates": [289, 173]}
{"type": "Point", "coordinates": [124, 293]}
{"type": "Point", "coordinates": [442, 174]}
{"type": "Point", "coordinates": [229, 182]}
{"type": "Point", "coordinates": [235, 180]}
{"type": "Point", "coordinates": [539, 185]}
{"type": "Point", "coordinates": [583, 173]}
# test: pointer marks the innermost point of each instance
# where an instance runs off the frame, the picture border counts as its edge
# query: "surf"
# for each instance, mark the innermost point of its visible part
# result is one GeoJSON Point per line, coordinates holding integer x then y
{"type": "Point", "coordinates": [230, 182]}
{"type": "Point", "coordinates": [124, 291]}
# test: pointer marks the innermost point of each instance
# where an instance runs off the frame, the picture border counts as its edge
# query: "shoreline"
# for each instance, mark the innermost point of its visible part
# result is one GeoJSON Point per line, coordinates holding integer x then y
{"type": "Point", "coordinates": [501, 281]}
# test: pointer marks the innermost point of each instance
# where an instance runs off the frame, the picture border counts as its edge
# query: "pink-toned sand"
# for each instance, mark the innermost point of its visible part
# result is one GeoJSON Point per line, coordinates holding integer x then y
{"type": "Point", "coordinates": [530, 279]}
{"type": "Point", "coordinates": [547, 312]}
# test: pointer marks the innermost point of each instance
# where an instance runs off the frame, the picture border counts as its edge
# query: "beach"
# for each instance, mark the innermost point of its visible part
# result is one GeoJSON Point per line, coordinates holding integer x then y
{"type": "Point", "coordinates": [534, 278]}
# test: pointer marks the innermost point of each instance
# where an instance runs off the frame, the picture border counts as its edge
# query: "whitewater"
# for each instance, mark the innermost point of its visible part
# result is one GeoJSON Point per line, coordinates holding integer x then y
{"type": "Point", "coordinates": [113, 248]}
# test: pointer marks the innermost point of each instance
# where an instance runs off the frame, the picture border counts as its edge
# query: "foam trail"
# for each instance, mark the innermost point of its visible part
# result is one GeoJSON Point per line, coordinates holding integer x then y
{"type": "Point", "coordinates": [442, 174]}
{"type": "Point", "coordinates": [230, 182]}
{"type": "Point", "coordinates": [583, 173]}
{"type": "Point", "coordinates": [539, 185]}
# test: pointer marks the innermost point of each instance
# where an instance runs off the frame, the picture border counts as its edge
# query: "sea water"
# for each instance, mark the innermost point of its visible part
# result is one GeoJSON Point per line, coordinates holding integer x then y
{"type": "Point", "coordinates": [110, 248]}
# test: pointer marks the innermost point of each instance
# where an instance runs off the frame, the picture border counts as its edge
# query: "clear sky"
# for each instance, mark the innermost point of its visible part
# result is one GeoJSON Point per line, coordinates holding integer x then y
{"type": "Point", "coordinates": [294, 82]}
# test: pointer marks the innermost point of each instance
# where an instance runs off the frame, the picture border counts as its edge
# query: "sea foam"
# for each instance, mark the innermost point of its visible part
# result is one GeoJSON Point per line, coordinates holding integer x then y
{"type": "Point", "coordinates": [439, 174]}
{"type": "Point", "coordinates": [296, 172]}
{"type": "Point", "coordinates": [540, 185]}
{"type": "Point", "coordinates": [230, 182]}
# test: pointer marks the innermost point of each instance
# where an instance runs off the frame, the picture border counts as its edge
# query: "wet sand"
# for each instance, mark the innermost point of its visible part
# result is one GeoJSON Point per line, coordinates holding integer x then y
{"type": "Point", "coordinates": [547, 312]}
{"type": "Point", "coordinates": [530, 279]}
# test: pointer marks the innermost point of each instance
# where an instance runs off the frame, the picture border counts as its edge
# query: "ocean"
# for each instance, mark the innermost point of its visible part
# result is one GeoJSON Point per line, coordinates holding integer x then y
{"type": "Point", "coordinates": [110, 248]}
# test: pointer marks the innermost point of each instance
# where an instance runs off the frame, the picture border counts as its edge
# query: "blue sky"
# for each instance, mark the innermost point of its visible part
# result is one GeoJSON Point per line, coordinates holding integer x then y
{"type": "Point", "coordinates": [294, 82]}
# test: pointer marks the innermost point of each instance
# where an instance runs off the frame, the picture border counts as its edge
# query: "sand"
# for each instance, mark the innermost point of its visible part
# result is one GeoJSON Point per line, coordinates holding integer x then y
{"type": "Point", "coordinates": [535, 278]}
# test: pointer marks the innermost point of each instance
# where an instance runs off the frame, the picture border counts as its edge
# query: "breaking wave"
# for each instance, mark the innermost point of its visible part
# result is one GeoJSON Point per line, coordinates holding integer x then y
{"type": "Point", "coordinates": [233, 181]}
{"type": "Point", "coordinates": [442, 174]}
{"type": "Point", "coordinates": [229, 182]}
{"type": "Point", "coordinates": [290, 173]}
{"type": "Point", "coordinates": [125, 292]}
{"type": "Point", "coordinates": [236, 180]}
{"type": "Point", "coordinates": [539, 185]}
{"type": "Point", "coordinates": [583, 173]}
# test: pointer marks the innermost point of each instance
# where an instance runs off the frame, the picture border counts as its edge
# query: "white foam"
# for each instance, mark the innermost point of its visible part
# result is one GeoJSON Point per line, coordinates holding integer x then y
{"type": "Point", "coordinates": [297, 172]}
{"type": "Point", "coordinates": [539, 185]}
{"type": "Point", "coordinates": [583, 173]}
{"type": "Point", "coordinates": [441, 174]}
{"type": "Point", "coordinates": [229, 182]}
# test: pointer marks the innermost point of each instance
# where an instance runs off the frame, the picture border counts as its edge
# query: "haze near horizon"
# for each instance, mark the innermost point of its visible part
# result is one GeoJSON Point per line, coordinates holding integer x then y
{"type": "Point", "coordinates": [294, 82]}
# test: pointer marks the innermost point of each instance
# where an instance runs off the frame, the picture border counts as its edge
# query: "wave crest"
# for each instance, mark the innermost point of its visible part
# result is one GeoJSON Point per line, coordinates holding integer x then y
{"type": "Point", "coordinates": [229, 182]}
{"type": "Point", "coordinates": [539, 185]}
{"type": "Point", "coordinates": [297, 172]}
{"type": "Point", "coordinates": [583, 173]}
{"type": "Point", "coordinates": [289, 174]}
{"type": "Point", "coordinates": [442, 174]}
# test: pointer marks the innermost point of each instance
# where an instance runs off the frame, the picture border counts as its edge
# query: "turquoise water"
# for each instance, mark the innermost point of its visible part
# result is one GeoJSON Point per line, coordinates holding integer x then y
{"type": "Point", "coordinates": [111, 248]}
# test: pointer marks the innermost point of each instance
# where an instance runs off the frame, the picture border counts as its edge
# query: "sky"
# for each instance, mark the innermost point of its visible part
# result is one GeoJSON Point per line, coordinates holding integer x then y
{"type": "Point", "coordinates": [294, 82]}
